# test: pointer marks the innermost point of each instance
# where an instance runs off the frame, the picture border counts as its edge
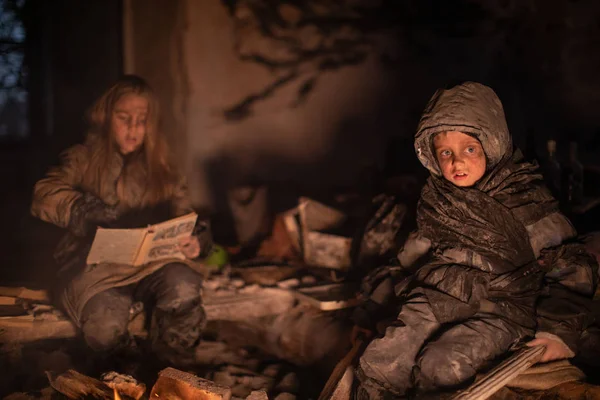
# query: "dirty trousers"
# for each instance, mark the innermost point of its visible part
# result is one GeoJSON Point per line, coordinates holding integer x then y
{"type": "Point", "coordinates": [419, 352]}
{"type": "Point", "coordinates": [172, 298]}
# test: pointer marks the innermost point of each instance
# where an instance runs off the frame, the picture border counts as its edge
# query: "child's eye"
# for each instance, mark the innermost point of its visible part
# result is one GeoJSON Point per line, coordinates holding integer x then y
{"type": "Point", "coordinates": [471, 149]}
{"type": "Point", "coordinates": [445, 153]}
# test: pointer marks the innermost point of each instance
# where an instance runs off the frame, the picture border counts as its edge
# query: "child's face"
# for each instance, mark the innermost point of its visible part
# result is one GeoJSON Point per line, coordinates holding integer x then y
{"type": "Point", "coordinates": [128, 122]}
{"type": "Point", "coordinates": [460, 157]}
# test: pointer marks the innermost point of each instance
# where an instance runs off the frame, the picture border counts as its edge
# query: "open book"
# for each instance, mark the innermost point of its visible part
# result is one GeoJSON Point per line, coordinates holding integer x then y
{"type": "Point", "coordinates": [143, 245]}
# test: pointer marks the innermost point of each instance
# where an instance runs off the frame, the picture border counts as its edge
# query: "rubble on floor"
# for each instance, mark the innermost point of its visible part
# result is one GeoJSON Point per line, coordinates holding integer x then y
{"type": "Point", "coordinates": [38, 338]}
{"type": "Point", "coordinates": [235, 375]}
{"type": "Point", "coordinates": [259, 344]}
{"type": "Point", "coordinates": [31, 318]}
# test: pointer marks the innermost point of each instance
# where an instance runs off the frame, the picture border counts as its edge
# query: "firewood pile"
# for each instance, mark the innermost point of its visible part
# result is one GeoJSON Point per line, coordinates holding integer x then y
{"type": "Point", "coordinates": [231, 382]}
{"type": "Point", "coordinates": [172, 384]}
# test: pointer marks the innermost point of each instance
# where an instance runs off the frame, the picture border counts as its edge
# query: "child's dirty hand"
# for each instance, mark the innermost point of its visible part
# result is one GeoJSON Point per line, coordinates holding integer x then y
{"type": "Point", "coordinates": [189, 246]}
{"type": "Point", "coordinates": [555, 349]}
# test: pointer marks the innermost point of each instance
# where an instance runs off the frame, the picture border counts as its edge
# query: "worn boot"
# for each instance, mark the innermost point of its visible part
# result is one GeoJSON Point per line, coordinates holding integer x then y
{"type": "Point", "coordinates": [175, 334]}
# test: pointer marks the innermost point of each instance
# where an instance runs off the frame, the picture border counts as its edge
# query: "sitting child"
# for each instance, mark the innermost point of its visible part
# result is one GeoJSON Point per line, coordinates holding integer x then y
{"type": "Point", "coordinates": [484, 218]}
{"type": "Point", "coordinates": [123, 176]}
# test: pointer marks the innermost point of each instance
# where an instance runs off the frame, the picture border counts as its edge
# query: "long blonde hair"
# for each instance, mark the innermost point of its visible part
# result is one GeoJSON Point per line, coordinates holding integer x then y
{"type": "Point", "coordinates": [152, 162]}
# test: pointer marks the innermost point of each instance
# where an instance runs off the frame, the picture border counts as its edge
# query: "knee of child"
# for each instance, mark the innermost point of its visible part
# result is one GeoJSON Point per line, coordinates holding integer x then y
{"type": "Point", "coordinates": [180, 281]}
{"type": "Point", "coordinates": [181, 298]}
{"type": "Point", "coordinates": [104, 335]}
{"type": "Point", "coordinates": [438, 366]}
{"type": "Point", "coordinates": [176, 272]}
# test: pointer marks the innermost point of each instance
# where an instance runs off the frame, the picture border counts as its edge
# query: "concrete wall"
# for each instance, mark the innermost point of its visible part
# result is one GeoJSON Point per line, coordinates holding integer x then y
{"type": "Point", "coordinates": [340, 128]}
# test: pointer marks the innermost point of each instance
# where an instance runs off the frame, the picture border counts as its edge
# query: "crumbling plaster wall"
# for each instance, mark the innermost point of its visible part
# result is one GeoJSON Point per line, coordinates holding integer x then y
{"type": "Point", "coordinates": [186, 50]}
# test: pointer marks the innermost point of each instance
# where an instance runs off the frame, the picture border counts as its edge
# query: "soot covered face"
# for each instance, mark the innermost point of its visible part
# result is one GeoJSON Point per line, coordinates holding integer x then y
{"type": "Point", "coordinates": [460, 157]}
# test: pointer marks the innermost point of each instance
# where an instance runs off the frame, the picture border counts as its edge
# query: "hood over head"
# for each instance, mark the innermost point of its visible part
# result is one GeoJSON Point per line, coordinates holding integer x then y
{"type": "Point", "coordinates": [470, 108]}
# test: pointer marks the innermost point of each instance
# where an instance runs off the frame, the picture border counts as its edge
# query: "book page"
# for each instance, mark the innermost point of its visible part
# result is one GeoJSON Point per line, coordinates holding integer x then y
{"type": "Point", "coordinates": [162, 240]}
{"type": "Point", "coordinates": [115, 246]}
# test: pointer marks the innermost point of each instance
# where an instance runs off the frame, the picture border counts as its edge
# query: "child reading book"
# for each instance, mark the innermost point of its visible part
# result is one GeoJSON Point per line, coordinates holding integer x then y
{"type": "Point", "coordinates": [122, 176]}
{"type": "Point", "coordinates": [484, 218]}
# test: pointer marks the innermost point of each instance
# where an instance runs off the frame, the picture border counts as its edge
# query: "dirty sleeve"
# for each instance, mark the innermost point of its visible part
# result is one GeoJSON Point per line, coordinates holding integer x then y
{"type": "Point", "coordinates": [54, 195]}
{"type": "Point", "coordinates": [565, 309]}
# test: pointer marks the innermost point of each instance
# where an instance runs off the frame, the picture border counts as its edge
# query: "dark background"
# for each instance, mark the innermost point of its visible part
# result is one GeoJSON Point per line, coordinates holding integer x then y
{"type": "Point", "coordinates": [72, 53]}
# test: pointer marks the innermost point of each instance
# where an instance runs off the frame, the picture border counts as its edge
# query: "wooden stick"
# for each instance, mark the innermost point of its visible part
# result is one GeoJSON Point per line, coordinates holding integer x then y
{"type": "Point", "coordinates": [338, 372]}
{"type": "Point", "coordinates": [74, 385]}
{"type": "Point", "coordinates": [502, 374]}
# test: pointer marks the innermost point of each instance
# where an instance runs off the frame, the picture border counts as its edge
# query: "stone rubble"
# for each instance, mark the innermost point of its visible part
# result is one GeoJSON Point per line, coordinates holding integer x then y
{"type": "Point", "coordinates": [243, 370]}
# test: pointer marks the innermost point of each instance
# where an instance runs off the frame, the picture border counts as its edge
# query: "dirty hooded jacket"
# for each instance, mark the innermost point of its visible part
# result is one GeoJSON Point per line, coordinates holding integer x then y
{"type": "Point", "coordinates": [484, 240]}
{"type": "Point", "coordinates": [56, 195]}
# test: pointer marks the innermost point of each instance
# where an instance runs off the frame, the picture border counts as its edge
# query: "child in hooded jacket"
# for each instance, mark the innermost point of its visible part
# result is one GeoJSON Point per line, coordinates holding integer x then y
{"type": "Point", "coordinates": [490, 234]}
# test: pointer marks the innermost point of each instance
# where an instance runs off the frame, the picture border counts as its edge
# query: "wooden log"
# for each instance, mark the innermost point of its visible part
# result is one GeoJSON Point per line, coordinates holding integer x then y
{"type": "Point", "coordinates": [75, 385]}
{"type": "Point", "coordinates": [38, 296]}
{"type": "Point", "coordinates": [175, 384]}
{"type": "Point", "coordinates": [8, 301]}
{"type": "Point", "coordinates": [233, 307]}
{"type": "Point", "coordinates": [23, 329]}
